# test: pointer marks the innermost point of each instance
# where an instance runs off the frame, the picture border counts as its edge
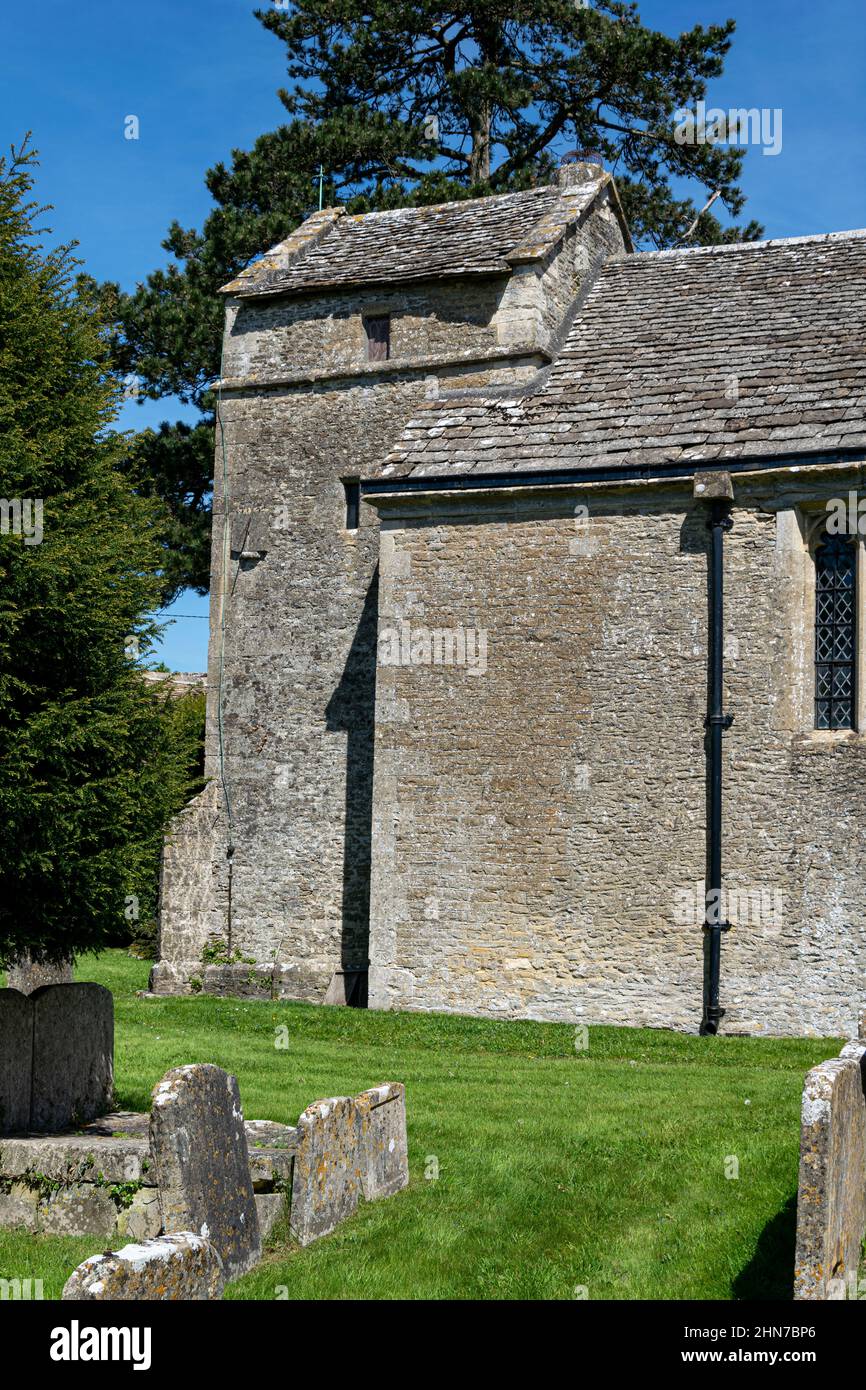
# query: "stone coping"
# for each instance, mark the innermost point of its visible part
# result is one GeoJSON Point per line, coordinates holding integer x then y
{"type": "Point", "coordinates": [389, 367]}
{"type": "Point", "coordinates": [116, 1149]}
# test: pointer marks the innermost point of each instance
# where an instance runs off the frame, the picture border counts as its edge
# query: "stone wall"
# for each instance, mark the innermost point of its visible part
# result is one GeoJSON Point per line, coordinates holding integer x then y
{"type": "Point", "coordinates": [539, 843]}
{"type": "Point", "coordinates": [288, 909]}
{"type": "Point", "coordinates": [26, 974]}
{"type": "Point", "coordinates": [325, 332]}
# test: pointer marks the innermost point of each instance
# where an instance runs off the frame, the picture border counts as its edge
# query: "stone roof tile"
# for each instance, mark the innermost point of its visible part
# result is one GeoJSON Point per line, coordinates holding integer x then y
{"type": "Point", "coordinates": [716, 352]}
{"type": "Point", "coordinates": [475, 236]}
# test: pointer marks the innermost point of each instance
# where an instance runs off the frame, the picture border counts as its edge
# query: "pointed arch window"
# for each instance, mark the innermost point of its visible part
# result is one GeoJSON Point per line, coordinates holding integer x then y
{"type": "Point", "coordinates": [835, 631]}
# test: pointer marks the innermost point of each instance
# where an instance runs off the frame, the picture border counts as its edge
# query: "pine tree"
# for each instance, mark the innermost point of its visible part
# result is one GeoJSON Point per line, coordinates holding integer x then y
{"type": "Point", "coordinates": [90, 767]}
{"type": "Point", "coordinates": [401, 103]}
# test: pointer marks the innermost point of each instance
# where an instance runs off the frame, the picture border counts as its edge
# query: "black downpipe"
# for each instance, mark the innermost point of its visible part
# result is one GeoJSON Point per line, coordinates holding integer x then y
{"type": "Point", "coordinates": [716, 722]}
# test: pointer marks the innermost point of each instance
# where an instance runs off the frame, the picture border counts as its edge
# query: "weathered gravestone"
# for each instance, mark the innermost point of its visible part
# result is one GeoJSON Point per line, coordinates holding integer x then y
{"type": "Point", "coordinates": [16, 1061]}
{"type": "Point", "coordinates": [326, 1181]}
{"type": "Point", "coordinates": [382, 1137]}
{"type": "Point", "coordinates": [73, 1056]}
{"type": "Point", "coordinates": [198, 1146]}
{"type": "Point", "coordinates": [831, 1197]}
{"type": "Point", "coordinates": [27, 975]}
{"type": "Point", "coordinates": [175, 1267]}
{"type": "Point", "coordinates": [349, 1149]}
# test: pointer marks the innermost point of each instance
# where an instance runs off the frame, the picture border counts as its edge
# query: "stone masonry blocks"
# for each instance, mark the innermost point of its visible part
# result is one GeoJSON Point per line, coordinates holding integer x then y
{"type": "Point", "coordinates": [514, 811]}
{"type": "Point", "coordinates": [298, 644]}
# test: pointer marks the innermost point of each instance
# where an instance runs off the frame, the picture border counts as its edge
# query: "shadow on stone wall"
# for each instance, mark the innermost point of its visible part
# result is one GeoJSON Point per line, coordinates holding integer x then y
{"type": "Point", "coordinates": [352, 710]}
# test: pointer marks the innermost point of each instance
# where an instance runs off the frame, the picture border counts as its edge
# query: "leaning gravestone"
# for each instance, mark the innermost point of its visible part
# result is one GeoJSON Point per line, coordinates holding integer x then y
{"type": "Point", "coordinates": [349, 1149]}
{"type": "Point", "coordinates": [198, 1145]}
{"type": "Point", "coordinates": [178, 1267]}
{"type": "Point", "coordinates": [326, 1181]}
{"type": "Point", "coordinates": [382, 1139]}
{"type": "Point", "coordinates": [73, 1056]}
{"type": "Point", "coordinates": [831, 1196]}
{"type": "Point", "coordinates": [16, 1061]}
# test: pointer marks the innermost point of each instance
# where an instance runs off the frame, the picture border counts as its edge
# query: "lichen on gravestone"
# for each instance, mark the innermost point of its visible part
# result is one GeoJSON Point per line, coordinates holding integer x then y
{"type": "Point", "coordinates": [198, 1147]}
{"type": "Point", "coordinates": [349, 1149]}
{"type": "Point", "coordinates": [180, 1267]}
{"type": "Point", "coordinates": [831, 1195]}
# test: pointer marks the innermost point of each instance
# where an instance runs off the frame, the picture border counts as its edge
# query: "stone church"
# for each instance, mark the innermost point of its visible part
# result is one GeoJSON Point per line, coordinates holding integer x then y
{"type": "Point", "coordinates": [483, 475]}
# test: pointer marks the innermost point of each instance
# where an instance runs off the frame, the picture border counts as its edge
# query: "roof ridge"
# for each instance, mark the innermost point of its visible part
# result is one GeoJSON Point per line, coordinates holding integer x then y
{"type": "Point", "coordinates": [454, 202]}
{"type": "Point", "coordinates": [733, 246]}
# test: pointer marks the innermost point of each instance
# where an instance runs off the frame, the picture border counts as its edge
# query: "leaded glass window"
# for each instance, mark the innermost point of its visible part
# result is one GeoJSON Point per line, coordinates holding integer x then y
{"type": "Point", "coordinates": [835, 629]}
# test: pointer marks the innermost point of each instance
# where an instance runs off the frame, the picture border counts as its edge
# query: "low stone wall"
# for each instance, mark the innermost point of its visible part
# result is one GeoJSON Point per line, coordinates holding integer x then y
{"type": "Point", "coordinates": [831, 1196]}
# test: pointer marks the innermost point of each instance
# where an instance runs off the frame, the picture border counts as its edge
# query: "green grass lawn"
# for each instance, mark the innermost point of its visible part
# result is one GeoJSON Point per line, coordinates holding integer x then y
{"type": "Point", "coordinates": [558, 1170]}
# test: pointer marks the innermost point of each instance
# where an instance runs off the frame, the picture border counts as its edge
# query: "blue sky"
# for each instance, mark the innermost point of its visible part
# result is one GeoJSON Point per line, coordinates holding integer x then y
{"type": "Point", "coordinates": [202, 80]}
